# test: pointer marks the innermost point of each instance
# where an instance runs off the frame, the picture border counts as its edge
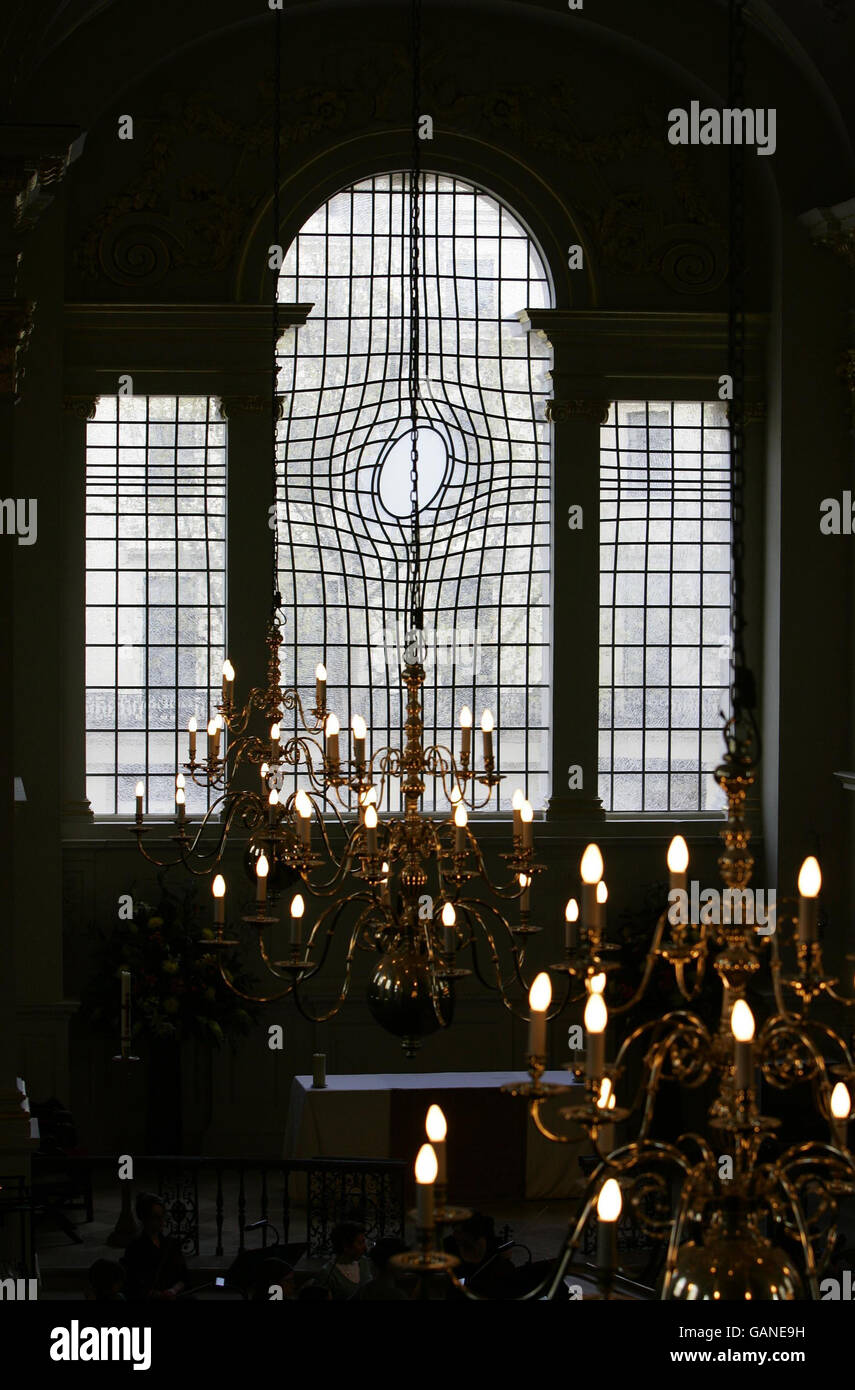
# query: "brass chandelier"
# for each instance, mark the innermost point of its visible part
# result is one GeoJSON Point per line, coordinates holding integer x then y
{"type": "Point", "coordinates": [394, 886]}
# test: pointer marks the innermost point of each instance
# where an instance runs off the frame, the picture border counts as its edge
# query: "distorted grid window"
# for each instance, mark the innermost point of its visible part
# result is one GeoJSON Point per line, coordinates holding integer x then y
{"type": "Point", "coordinates": [155, 593]}
{"type": "Point", "coordinates": [665, 558]}
{"type": "Point", "coordinates": [483, 470]}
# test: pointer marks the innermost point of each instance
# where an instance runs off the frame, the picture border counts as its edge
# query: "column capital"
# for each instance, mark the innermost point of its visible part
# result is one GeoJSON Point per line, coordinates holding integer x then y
{"type": "Point", "coordinates": [248, 405]}
{"type": "Point", "coordinates": [584, 408]}
{"type": "Point", "coordinates": [81, 407]}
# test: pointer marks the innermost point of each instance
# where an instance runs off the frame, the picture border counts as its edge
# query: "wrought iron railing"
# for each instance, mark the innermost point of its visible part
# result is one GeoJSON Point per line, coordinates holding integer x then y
{"type": "Point", "coordinates": [244, 1191]}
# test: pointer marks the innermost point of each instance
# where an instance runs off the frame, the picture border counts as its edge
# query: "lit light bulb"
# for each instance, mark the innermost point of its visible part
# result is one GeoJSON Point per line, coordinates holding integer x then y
{"type": "Point", "coordinates": [605, 1093]}
{"type": "Point", "coordinates": [609, 1202]}
{"type": "Point", "coordinates": [571, 911]}
{"type": "Point", "coordinates": [212, 728]}
{"type": "Point", "coordinates": [456, 795]}
{"type": "Point", "coordinates": [370, 818]}
{"type": "Point", "coordinates": [371, 829]}
{"type": "Point", "coordinates": [678, 855]}
{"type": "Point", "coordinates": [810, 878]}
{"type": "Point", "coordinates": [140, 789]}
{"type": "Point", "coordinates": [596, 1014]}
{"type": "Point", "coordinates": [426, 1166]}
{"type": "Point", "coordinates": [460, 822]}
{"type": "Point", "coordinates": [466, 717]}
{"type": "Point", "coordinates": [591, 867]}
{"type": "Point", "coordinates": [320, 672]}
{"type": "Point", "coordinates": [298, 907]}
{"type": "Point", "coordinates": [540, 994]}
{"type": "Point", "coordinates": [449, 916]}
{"type": "Point", "coordinates": [602, 892]}
{"type": "Point", "coordinates": [742, 1022]}
{"type": "Point", "coordinates": [597, 983]}
{"type": "Point", "coordinates": [460, 815]}
{"type": "Point", "coordinates": [219, 722]}
{"type": "Point", "coordinates": [263, 770]}
{"type": "Point", "coordinates": [262, 868]}
{"type": "Point", "coordinates": [228, 670]}
{"type": "Point", "coordinates": [218, 887]}
{"type": "Point", "coordinates": [332, 727]}
{"type": "Point", "coordinates": [303, 804]}
{"type": "Point", "coordinates": [487, 722]}
{"type": "Point", "coordinates": [359, 726]}
{"type": "Point", "coordinates": [192, 724]}
{"type": "Point", "coordinates": [517, 799]}
{"type": "Point", "coordinates": [841, 1102]}
{"type": "Point", "coordinates": [436, 1127]}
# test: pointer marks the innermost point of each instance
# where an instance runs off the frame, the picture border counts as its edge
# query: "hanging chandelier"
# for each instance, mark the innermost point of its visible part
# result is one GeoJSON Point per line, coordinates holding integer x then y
{"type": "Point", "coordinates": [742, 1216]}
{"type": "Point", "coordinates": [396, 888]}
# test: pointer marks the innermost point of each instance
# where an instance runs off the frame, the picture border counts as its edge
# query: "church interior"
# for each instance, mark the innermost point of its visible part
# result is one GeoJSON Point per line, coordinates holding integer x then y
{"type": "Point", "coordinates": [427, 650]}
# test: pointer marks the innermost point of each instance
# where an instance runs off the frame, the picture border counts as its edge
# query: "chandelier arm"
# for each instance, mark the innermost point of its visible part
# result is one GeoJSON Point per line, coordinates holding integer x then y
{"type": "Point", "coordinates": [351, 951]}
{"type": "Point", "coordinates": [804, 1238]}
{"type": "Point", "coordinates": [517, 953]}
{"type": "Point", "coordinates": [649, 964]}
{"type": "Point", "coordinates": [254, 998]}
{"type": "Point", "coordinates": [534, 1109]}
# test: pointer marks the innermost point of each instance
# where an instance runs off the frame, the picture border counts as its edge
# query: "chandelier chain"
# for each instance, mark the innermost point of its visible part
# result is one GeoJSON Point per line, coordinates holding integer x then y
{"type": "Point", "coordinates": [274, 382]}
{"type": "Point", "coordinates": [416, 604]}
{"type": "Point", "coordinates": [742, 693]}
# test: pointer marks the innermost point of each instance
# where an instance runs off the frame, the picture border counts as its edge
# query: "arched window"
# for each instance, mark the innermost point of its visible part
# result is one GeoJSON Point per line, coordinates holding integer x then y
{"type": "Point", "coordinates": [484, 486]}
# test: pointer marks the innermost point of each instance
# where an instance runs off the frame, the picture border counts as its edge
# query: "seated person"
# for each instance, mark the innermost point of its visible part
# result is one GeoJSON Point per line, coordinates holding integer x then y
{"type": "Point", "coordinates": [348, 1270]}
{"type": "Point", "coordinates": [154, 1264]}
{"type": "Point", "coordinates": [385, 1284]}
{"type": "Point", "coordinates": [272, 1274]}
{"type": "Point", "coordinates": [106, 1281]}
{"type": "Point", "coordinates": [483, 1265]}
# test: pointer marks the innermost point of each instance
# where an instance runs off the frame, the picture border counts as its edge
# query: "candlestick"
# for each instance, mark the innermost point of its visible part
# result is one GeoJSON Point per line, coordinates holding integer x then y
{"type": "Point", "coordinates": [810, 882]}
{"type": "Point", "coordinates": [527, 817]}
{"type": "Point", "coordinates": [320, 685]}
{"type": "Point", "coordinates": [742, 1027]}
{"type": "Point", "coordinates": [262, 869]}
{"type": "Point", "coordinates": [359, 729]}
{"type": "Point", "coordinates": [228, 682]}
{"type": "Point", "coordinates": [192, 727]}
{"type": "Point", "coordinates": [596, 1017]}
{"type": "Point", "coordinates": [180, 804]}
{"type": "Point", "coordinates": [460, 822]}
{"type": "Point", "coordinates": [384, 885]}
{"type": "Point", "coordinates": [525, 896]}
{"type": "Point", "coordinates": [487, 731]}
{"type": "Point", "coordinates": [331, 731]}
{"type": "Point", "coordinates": [436, 1130]}
{"type": "Point", "coordinates": [371, 830]}
{"type": "Point", "coordinates": [218, 888]}
{"type": "Point", "coordinates": [298, 907]}
{"type": "Point", "coordinates": [213, 740]}
{"type": "Point", "coordinates": [516, 804]}
{"type": "Point", "coordinates": [609, 1205]}
{"type": "Point", "coordinates": [591, 870]}
{"type": "Point", "coordinates": [449, 933]}
{"type": "Point", "coordinates": [465, 732]}
{"type": "Point", "coordinates": [140, 793]}
{"type": "Point", "coordinates": [539, 1000]}
{"type": "Point", "coordinates": [125, 976]}
{"type": "Point", "coordinates": [426, 1170]}
{"type": "Point", "coordinates": [677, 860]}
{"type": "Point", "coordinates": [303, 808]}
{"type": "Point", "coordinates": [840, 1107]}
{"type": "Point", "coordinates": [272, 805]}
{"type": "Point", "coordinates": [602, 899]}
{"type": "Point", "coordinates": [571, 923]}
{"type": "Point", "coordinates": [275, 746]}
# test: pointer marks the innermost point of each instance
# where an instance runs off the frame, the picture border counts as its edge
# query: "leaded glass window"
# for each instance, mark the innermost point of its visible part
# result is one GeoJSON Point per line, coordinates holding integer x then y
{"type": "Point", "coordinates": [484, 488]}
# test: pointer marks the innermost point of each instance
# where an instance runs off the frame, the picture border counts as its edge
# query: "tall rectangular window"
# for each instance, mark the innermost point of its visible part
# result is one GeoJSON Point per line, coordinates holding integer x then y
{"type": "Point", "coordinates": [155, 592]}
{"type": "Point", "coordinates": [665, 559]}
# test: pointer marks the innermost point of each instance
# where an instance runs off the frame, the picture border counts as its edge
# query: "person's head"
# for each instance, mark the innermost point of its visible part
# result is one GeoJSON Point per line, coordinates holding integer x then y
{"type": "Point", "coordinates": [348, 1241]}
{"type": "Point", "coordinates": [106, 1279]}
{"type": "Point", "coordinates": [475, 1238]}
{"type": "Point", "coordinates": [274, 1273]}
{"type": "Point", "coordinates": [151, 1213]}
{"type": "Point", "coordinates": [314, 1293]}
{"type": "Point", "coordinates": [382, 1252]}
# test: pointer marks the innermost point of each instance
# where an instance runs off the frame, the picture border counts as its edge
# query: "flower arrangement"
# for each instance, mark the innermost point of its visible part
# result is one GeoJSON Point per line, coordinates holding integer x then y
{"type": "Point", "coordinates": [176, 988]}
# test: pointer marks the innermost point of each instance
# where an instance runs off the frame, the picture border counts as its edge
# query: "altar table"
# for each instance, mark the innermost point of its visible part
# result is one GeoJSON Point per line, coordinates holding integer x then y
{"type": "Point", "coordinates": [495, 1151]}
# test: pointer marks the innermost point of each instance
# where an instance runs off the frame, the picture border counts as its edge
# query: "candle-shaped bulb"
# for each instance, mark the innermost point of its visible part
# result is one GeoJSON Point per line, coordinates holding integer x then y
{"type": "Point", "coordinates": [212, 728]}
{"type": "Point", "coordinates": [218, 721]}
{"type": "Point", "coordinates": [596, 1014]}
{"type": "Point", "coordinates": [810, 878]}
{"type": "Point", "coordinates": [370, 818]}
{"type": "Point", "coordinates": [371, 829]}
{"type": "Point", "coordinates": [140, 789]}
{"type": "Point", "coordinates": [179, 780]}
{"type": "Point", "coordinates": [456, 795]}
{"type": "Point", "coordinates": [274, 733]}
{"type": "Point", "coordinates": [540, 994]}
{"type": "Point", "coordinates": [262, 868]}
{"type": "Point", "coordinates": [302, 804]}
{"type": "Point", "coordinates": [841, 1102]}
{"type": "Point", "coordinates": [571, 925]}
{"type": "Point", "coordinates": [591, 867]}
{"type": "Point", "coordinates": [605, 1094]}
{"type": "Point", "coordinates": [436, 1127]}
{"type": "Point", "coordinates": [460, 822]}
{"type": "Point", "coordinates": [426, 1166]}
{"type": "Point", "coordinates": [332, 726]}
{"type": "Point", "coordinates": [320, 672]}
{"type": "Point", "coordinates": [228, 681]}
{"type": "Point", "coordinates": [526, 818]}
{"type": "Point", "coordinates": [571, 911]}
{"type": "Point", "coordinates": [742, 1022]}
{"type": "Point", "coordinates": [596, 983]}
{"type": "Point", "coordinates": [180, 797]}
{"type": "Point", "coordinates": [298, 907]}
{"type": "Point", "coordinates": [517, 799]}
{"type": "Point", "coordinates": [609, 1202]}
{"type": "Point", "coordinates": [466, 717]}
{"type": "Point", "coordinates": [678, 855]}
{"type": "Point", "coordinates": [263, 770]}
{"type": "Point", "coordinates": [487, 723]}
{"type": "Point", "coordinates": [449, 916]}
{"type": "Point", "coordinates": [461, 817]}
{"type": "Point", "coordinates": [602, 892]}
{"type": "Point", "coordinates": [228, 670]}
{"type": "Point", "coordinates": [359, 727]}
{"type": "Point", "coordinates": [449, 935]}
{"type": "Point", "coordinates": [218, 887]}
{"type": "Point", "coordinates": [192, 724]}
